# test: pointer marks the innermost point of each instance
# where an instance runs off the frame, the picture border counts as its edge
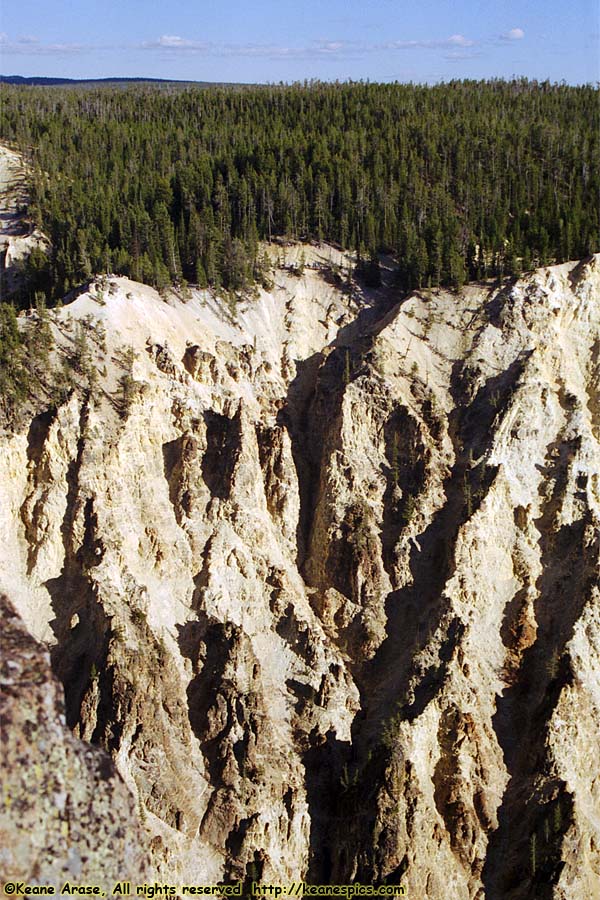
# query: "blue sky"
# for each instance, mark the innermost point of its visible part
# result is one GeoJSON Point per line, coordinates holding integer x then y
{"type": "Point", "coordinates": [281, 40]}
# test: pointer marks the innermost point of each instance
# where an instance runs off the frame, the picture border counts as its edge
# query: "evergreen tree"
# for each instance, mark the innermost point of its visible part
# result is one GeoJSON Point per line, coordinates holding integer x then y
{"type": "Point", "coordinates": [461, 180]}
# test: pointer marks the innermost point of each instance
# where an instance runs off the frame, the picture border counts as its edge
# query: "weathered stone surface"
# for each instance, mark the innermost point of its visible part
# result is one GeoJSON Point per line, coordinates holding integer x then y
{"type": "Point", "coordinates": [325, 583]}
{"type": "Point", "coordinates": [66, 813]}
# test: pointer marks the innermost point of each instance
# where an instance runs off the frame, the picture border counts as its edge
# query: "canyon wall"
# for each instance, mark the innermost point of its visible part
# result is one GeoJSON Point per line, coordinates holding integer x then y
{"type": "Point", "coordinates": [319, 572]}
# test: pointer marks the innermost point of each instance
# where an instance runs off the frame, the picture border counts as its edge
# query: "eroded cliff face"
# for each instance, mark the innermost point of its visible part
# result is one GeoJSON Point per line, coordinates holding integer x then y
{"type": "Point", "coordinates": [321, 574]}
{"type": "Point", "coordinates": [18, 236]}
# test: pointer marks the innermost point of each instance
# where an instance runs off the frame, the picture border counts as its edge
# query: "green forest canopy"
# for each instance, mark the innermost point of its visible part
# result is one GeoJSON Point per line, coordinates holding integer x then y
{"type": "Point", "coordinates": [457, 181]}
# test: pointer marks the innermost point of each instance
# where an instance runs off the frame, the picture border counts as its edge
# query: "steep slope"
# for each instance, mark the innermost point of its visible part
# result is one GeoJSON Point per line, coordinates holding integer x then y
{"type": "Point", "coordinates": [484, 694]}
{"type": "Point", "coordinates": [321, 573]}
{"type": "Point", "coordinates": [18, 238]}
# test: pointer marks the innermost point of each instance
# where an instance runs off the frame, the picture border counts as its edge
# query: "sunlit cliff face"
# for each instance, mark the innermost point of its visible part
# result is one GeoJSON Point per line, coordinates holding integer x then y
{"type": "Point", "coordinates": [319, 572]}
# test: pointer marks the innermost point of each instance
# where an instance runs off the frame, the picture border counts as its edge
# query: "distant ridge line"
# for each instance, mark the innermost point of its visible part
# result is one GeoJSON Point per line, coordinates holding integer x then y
{"type": "Point", "coordinates": [42, 80]}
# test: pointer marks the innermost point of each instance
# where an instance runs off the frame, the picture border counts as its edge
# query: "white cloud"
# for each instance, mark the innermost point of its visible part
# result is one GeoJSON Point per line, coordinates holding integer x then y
{"type": "Point", "coordinates": [515, 34]}
{"type": "Point", "coordinates": [318, 49]}
{"type": "Point", "coordinates": [459, 40]}
{"type": "Point", "coordinates": [462, 55]}
{"type": "Point", "coordinates": [332, 46]}
{"type": "Point", "coordinates": [455, 40]}
{"type": "Point", "coordinates": [174, 42]}
{"type": "Point", "coordinates": [170, 43]}
{"type": "Point", "coordinates": [33, 46]}
{"type": "Point", "coordinates": [454, 47]}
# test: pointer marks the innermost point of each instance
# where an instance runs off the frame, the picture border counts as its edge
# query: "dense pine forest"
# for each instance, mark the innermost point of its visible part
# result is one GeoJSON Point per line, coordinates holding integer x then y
{"type": "Point", "coordinates": [458, 181]}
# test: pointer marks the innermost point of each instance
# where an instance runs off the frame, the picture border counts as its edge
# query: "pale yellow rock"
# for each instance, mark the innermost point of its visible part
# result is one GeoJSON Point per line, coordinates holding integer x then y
{"type": "Point", "coordinates": [328, 592]}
